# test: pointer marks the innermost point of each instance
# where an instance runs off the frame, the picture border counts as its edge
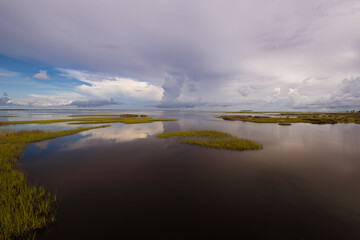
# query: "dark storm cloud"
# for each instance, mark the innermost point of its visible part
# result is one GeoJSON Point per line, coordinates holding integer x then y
{"type": "Point", "coordinates": [172, 87]}
{"type": "Point", "coordinates": [4, 100]}
{"type": "Point", "coordinates": [244, 91]}
{"type": "Point", "coordinates": [195, 104]}
{"type": "Point", "coordinates": [215, 45]}
{"type": "Point", "coordinates": [178, 105]}
{"type": "Point", "coordinates": [93, 103]}
{"type": "Point", "coordinates": [345, 97]}
{"type": "Point", "coordinates": [199, 38]}
{"type": "Point", "coordinates": [348, 96]}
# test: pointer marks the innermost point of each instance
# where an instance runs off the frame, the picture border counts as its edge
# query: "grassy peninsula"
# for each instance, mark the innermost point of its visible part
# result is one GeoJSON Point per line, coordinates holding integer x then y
{"type": "Point", "coordinates": [24, 208]}
{"type": "Point", "coordinates": [287, 118]}
{"type": "Point", "coordinates": [213, 139]}
{"type": "Point", "coordinates": [93, 119]}
{"type": "Point", "coordinates": [111, 115]}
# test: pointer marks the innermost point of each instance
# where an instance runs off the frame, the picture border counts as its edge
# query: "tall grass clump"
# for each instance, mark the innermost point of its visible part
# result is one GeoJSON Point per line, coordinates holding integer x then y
{"type": "Point", "coordinates": [24, 208]}
{"type": "Point", "coordinates": [213, 139]}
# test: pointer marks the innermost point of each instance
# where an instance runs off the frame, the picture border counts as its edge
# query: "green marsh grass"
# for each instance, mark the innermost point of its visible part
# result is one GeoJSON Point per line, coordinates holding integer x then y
{"type": "Point", "coordinates": [289, 118]}
{"type": "Point", "coordinates": [24, 208]}
{"type": "Point", "coordinates": [111, 115]}
{"type": "Point", "coordinates": [122, 120]}
{"type": "Point", "coordinates": [91, 120]}
{"type": "Point", "coordinates": [213, 139]}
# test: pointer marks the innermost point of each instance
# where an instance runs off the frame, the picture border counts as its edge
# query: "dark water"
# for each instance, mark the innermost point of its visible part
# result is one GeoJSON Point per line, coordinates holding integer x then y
{"type": "Point", "coordinates": [124, 183]}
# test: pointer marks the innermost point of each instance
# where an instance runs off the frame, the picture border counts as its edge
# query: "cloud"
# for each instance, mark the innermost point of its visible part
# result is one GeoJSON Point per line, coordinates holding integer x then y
{"type": "Point", "coordinates": [244, 91]}
{"type": "Point", "coordinates": [295, 99]}
{"type": "Point", "coordinates": [275, 97]}
{"type": "Point", "coordinates": [42, 75]}
{"type": "Point", "coordinates": [172, 87]}
{"type": "Point", "coordinates": [277, 92]}
{"type": "Point", "coordinates": [59, 99]}
{"type": "Point", "coordinates": [347, 96]}
{"type": "Point", "coordinates": [93, 103]}
{"type": "Point", "coordinates": [5, 100]}
{"type": "Point", "coordinates": [157, 50]}
{"type": "Point", "coordinates": [194, 104]}
{"type": "Point", "coordinates": [105, 85]}
{"type": "Point", "coordinates": [177, 105]}
{"type": "Point", "coordinates": [53, 99]}
{"type": "Point", "coordinates": [7, 73]}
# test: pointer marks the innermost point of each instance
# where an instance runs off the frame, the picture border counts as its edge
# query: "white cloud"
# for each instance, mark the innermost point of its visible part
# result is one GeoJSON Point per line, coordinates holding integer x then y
{"type": "Point", "coordinates": [42, 75]}
{"type": "Point", "coordinates": [276, 96]}
{"type": "Point", "coordinates": [55, 100]}
{"type": "Point", "coordinates": [7, 73]}
{"type": "Point", "coordinates": [37, 100]}
{"type": "Point", "coordinates": [125, 86]}
{"type": "Point", "coordinates": [277, 92]}
{"type": "Point", "coordinates": [295, 99]}
{"type": "Point", "coordinates": [107, 86]}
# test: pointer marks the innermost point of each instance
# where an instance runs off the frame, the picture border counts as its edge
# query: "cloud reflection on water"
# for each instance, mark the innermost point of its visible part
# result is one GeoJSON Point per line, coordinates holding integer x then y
{"type": "Point", "coordinates": [115, 134]}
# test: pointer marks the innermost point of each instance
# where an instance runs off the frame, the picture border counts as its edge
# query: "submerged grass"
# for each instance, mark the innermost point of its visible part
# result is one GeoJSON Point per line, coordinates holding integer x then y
{"type": "Point", "coordinates": [213, 139]}
{"type": "Point", "coordinates": [24, 208]}
{"type": "Point", "coordinates": [92, 120]}
{"type": "Point", "coordinates": [289, 118]}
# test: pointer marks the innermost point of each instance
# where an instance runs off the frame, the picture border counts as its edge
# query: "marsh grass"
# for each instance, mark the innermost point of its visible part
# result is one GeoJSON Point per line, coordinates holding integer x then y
{"type": "Point", "coordinates": [289, 118]}
{"type": "Point", "coordinates": [249, 112]}
{"type": "Point", "coordinates": [122, 120]}
{"type": "Point", "coordinates": [92, 120]}
{"type": "Point", "coordinates": [24, 208]}
{"type": "Point", "coordinates": [111, 115]}
{"type": "Point", "coordinates": [213, 139]}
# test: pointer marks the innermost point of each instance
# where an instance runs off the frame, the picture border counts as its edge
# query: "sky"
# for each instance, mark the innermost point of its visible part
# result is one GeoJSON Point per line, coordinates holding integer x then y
{"type": "Point", "coordinates": [181, 54]}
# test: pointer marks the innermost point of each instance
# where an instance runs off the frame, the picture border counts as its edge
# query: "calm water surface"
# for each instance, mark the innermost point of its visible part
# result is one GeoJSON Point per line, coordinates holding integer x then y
{"type": "Point", "coordinates": [123, 182]}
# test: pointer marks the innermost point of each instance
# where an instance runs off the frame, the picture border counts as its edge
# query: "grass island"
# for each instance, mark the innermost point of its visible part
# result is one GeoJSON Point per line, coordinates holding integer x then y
{"type": "Point", "coordinates": [213, 139]}
{"type": "Point", "coordinates": [93, 119]}
{"type": "Point", "coordinates": [286, 118]}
